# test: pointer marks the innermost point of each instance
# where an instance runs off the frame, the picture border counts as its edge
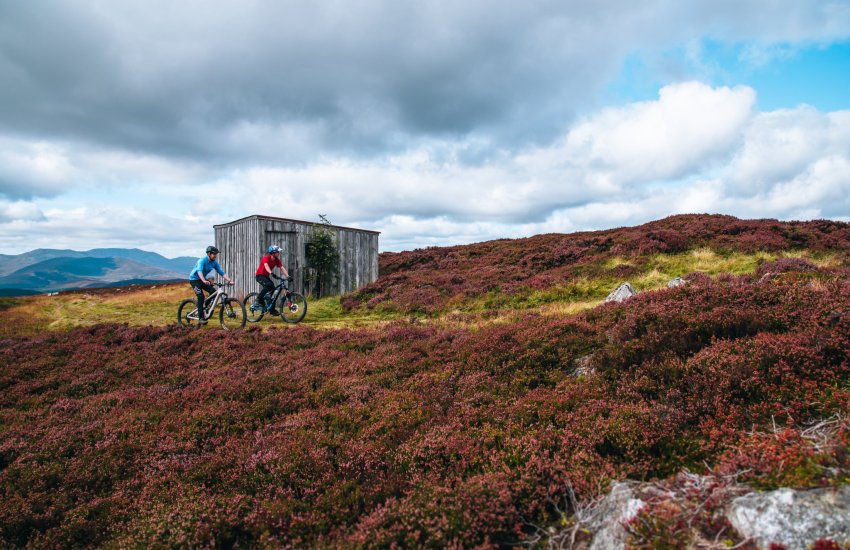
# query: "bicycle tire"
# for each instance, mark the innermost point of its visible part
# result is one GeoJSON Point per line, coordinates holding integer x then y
{"type": "Point", "coordinates": [251, 314]}
{"type": "Point", "coordinates": [186, 308]}
{"type": "Point", "coordinates": [231, 314]}
{"type": "Point", "coordinates": [293, 308]}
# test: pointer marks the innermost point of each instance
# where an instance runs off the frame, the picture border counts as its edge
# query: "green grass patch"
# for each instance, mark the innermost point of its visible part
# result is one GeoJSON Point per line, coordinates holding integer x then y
{"type": "Point", "coordinates": [327, 312]}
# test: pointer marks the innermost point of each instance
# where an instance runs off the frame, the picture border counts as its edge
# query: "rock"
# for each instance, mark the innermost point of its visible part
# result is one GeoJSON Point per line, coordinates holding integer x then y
{"type": "Point", "coordinates": [767, 277]}
{"type": "Point", "coordinates": [623, 292]}
{"type": "Point", "coordinates": [583, 366]}
{"type": "Point", "coordinates": [795, 519]}
{"type": "Point", "coordinates": [617, 509]}
{"type": "Point", "coordinates": [678, 281]}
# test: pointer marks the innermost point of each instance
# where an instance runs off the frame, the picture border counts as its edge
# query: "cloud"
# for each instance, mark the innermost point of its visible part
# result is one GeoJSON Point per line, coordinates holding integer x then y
{"type": "Point", "coordinates": [33, 169]}
{"type": "Point", "coordinates": [93, 226]}
{"type": "Point", "coordinates": [779, 145]}
{"type": "Point", "coordinates": [290, 82]}
{"type": "Point", "coordinates": [689, 127]}
{"type": "Point", "coordinates": [19, 211]}
{"type": "Point", "coordinates": [695, 148]}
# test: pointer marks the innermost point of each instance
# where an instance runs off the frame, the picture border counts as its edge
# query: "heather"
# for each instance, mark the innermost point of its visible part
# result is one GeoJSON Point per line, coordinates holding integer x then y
{"type": "Point", "coordinates": [427, 434]}
{"type": "Point", "coordinates": [583, 266]}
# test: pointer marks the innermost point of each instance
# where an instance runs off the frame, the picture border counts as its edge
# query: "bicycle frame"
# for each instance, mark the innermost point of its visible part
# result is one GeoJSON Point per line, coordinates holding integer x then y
{"type": "Point", "coordinates": [210, 302]}
{"type": "Point", "coordinates": [273, 295]}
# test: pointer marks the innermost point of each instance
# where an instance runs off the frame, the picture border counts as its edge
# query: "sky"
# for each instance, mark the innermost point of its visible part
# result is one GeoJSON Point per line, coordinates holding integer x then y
{"type": "Point", "coordinates": [142, 124]}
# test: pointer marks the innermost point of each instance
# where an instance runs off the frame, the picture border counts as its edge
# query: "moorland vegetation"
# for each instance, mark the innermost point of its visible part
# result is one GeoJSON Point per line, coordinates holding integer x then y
{"type": "Point", "coordinates": [461, 423]}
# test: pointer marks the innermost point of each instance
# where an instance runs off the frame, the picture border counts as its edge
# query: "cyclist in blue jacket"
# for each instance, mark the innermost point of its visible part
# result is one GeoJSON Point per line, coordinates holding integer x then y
{"type": "Point", "coordinates": [198, 278]}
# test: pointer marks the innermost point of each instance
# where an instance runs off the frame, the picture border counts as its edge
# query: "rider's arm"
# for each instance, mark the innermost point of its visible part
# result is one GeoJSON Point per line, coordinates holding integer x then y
{"type": "Point", "coordinates": [282, 269]}
{"type": "Point", "coordinates": [268, 269]}
{"type": "Point", "coordinates": [200, 268]}
{"type": "Point", "coordinates": [220, 271]}
{"type": "Point", "coordinates": [202, 277]}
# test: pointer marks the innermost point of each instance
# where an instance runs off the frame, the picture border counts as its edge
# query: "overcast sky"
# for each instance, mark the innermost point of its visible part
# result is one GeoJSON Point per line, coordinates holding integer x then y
{"type": "Point", "coordinates": [144, 123]}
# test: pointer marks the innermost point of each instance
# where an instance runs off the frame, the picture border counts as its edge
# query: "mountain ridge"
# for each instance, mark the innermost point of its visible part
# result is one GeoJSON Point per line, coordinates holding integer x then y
{"type": "Point", "coordinates": [44, 270]}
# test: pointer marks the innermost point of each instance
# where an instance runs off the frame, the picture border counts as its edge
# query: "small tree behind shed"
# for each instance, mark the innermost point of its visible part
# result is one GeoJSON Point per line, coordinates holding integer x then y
{"type": "Point", "coordinates": [322, 259]}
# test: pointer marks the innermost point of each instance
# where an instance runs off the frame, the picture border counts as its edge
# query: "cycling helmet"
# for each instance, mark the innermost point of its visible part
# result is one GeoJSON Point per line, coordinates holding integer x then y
{"type": "Point", "coordinates": [212, 249]}
{"type": "Point", "coordinates": [273, 248]}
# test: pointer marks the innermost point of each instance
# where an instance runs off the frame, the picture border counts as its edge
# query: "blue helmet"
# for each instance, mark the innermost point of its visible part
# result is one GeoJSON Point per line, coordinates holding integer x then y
{"type": "Point", "coordinates": [273, 248]}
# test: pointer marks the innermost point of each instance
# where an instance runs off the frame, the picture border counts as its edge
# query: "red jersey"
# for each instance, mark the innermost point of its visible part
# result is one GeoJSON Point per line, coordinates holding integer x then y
{"type": "Point", "coordinates": [272, 261]}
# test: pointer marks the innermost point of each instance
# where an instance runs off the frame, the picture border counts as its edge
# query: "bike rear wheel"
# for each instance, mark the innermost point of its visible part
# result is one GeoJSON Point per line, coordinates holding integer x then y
{"type": "Point", "coordinates": [254, 310]}
{"type": "Point", "coordinates": [293, 308]}
{"type": "Point", "coordinates": [187, 314]}
{"type": "Point", "coordinates": [232, 314]}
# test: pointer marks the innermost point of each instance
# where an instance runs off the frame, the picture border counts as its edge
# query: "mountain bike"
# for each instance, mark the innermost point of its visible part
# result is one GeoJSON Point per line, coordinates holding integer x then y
{"type": "Point", "coordinates": [231, 314]}
{"type": "Point", "coordinates": [293, 306]}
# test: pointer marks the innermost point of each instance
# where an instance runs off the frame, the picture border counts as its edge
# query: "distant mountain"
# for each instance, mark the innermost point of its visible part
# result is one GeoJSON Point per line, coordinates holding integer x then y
{"type": "Point", "coordinates": [46, 270]}
{"type": "Point", "coordinates": [11, 263]}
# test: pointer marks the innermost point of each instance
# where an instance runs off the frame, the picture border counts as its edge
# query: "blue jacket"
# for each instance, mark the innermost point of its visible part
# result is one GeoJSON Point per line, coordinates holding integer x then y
{"type": "Point", "coordinates": [205, 265]}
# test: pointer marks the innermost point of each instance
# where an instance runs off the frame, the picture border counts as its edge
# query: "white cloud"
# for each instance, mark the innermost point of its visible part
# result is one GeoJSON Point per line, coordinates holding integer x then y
{"type": "Point", "coordinates": [690, 125]}
{"type": "Point", "coordinates": [693, 149]}
{"type": "Point", "coordinates": [96, 226]}
{"type": "Point", "coordinates": [23, 211]}
{"type": "Point", "coordinates": [29, 169]}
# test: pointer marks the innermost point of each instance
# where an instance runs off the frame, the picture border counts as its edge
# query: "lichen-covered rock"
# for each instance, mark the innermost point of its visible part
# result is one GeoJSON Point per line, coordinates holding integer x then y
{"type": "Point", "coordinates": [678, 281]}
{"type": "Point", "coordinates": [616, 510]}
{"type": "Point", "coordinates": [795, 519]}
{"type": "Point", "coordinates": [623, 292]}
{"type": "Point", "coordinates": [583, 366]}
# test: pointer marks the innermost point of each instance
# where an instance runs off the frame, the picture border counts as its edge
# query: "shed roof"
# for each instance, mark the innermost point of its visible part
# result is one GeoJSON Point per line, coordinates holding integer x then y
{"type": "Point", "coordinates": [261, 217]}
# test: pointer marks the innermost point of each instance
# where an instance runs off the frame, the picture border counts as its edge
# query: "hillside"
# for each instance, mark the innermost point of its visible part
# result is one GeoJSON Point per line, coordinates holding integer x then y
{"type": "Point", "coordinates": [46, 270]}
{"type": "Point", "coordinates": [548, 268]}
{"type": "Point", "coordinates": [466, 426]}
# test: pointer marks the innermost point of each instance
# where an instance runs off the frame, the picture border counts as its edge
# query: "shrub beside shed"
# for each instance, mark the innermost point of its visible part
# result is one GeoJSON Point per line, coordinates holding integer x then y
{"type": "Point", "coordinates": [243, 243]}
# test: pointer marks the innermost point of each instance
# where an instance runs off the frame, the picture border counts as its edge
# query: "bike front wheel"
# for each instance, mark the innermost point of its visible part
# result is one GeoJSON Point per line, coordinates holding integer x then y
{"type": "Point", "coordinates": [187, 314]}
{"type": "Point", "coordinates": [254, 310]}
{"type": "Point", "coordinates": [232, 314]}
{"type": "Point", "coordinates": [293, 308]}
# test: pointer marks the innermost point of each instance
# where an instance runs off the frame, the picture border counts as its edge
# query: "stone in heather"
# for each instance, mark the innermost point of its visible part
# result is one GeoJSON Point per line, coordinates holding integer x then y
{"type": "Point", "coordinates": [615, 511]}
{"type": "Point", "coordinates": [678, 281]}
{"type": "Point", "coordinates": [623, 292]}
{"type": "Point", "coordinates": [583, 366]}
{"type": "Point", "coordinates": [795, 519]}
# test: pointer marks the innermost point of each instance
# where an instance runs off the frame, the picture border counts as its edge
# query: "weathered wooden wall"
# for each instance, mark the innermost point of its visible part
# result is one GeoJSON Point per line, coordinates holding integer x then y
{"type": "Point", "coordinates": [243, 243]}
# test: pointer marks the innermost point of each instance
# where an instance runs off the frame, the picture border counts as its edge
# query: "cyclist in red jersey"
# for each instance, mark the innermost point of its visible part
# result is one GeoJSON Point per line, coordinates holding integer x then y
{"type": "Point", "coordinates": [265, 271]}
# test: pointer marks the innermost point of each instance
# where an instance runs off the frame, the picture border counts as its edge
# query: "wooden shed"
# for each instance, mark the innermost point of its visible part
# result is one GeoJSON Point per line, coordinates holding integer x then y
{"type": "Point", "coordinates": [244, 242]}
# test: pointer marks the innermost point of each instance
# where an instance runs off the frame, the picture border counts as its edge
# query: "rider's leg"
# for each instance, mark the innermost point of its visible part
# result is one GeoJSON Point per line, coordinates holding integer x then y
{"type": "Point", "coordinates": [198, 289]}
{"type": "Point", "coordinates": [268, 288]}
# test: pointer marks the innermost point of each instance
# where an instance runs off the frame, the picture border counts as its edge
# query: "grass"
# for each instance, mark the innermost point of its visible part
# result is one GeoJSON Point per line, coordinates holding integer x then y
{"type": "Point", "coordinates": [157, 305]}
{"type": "Point", "coordinates": [328, 313]}
{"type": "Point", "coordinates": [142, 306]}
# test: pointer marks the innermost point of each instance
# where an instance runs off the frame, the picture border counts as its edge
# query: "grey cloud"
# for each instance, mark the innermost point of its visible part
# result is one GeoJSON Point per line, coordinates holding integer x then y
{"type": "Point", "coordinates": [184, 79]}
